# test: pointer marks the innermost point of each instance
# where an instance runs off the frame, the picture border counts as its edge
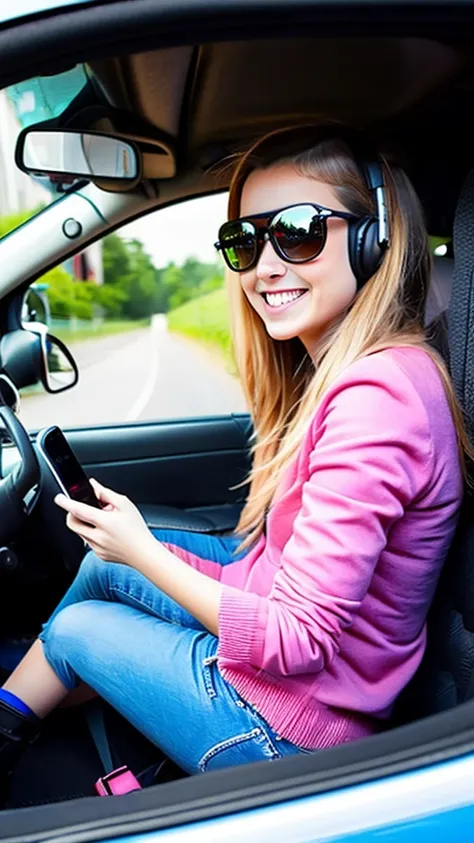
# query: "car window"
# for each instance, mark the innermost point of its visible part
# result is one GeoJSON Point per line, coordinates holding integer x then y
{"type": "Point", "coordinates": [32, 101]}
{"type": "Point", "coordinates": [145, 313]}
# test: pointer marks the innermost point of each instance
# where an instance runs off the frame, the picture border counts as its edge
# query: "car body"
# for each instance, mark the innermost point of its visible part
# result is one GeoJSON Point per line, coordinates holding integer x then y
{"type": "Point", "coordinates": [191, 82]}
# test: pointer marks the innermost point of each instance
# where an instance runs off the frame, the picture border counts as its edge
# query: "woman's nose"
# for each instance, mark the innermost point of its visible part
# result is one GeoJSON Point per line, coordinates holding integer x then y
{"type": "Point", "coordinates": [270, 265]}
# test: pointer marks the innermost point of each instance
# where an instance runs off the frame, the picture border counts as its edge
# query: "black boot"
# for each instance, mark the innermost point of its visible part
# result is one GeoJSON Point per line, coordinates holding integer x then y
{"type": "Point", "coordinates": [17, 730]}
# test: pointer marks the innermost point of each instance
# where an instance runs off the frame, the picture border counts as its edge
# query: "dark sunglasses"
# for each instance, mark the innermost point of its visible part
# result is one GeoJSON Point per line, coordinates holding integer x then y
{"type": "Point", "coordinates": [297, 233]}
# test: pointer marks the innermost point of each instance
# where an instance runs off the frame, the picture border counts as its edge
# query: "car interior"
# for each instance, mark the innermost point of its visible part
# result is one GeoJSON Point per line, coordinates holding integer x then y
{"type": "Point", "coordinates": [190, 94]}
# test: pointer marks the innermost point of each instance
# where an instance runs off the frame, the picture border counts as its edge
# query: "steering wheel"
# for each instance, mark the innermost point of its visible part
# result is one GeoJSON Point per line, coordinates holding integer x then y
{"type": "Point", "coordinates": [15, 487]}
{"type": "Point", "coordinates": [31, 471]}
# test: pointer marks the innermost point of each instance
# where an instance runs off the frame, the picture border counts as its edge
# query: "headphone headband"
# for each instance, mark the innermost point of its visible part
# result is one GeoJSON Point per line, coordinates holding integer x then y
{"type": "Point", "coordinates": [369, 163]}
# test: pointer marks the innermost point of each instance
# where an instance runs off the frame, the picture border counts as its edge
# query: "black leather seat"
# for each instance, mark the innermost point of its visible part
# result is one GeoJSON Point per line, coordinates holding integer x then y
{"type": "Point", "coordinates": [437, 303]}
{"type": "Point", "coordinates": [439, 294]}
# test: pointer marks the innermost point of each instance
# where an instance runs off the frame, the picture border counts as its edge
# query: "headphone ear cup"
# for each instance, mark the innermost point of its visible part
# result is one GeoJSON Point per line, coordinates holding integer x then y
{"type": "Point", "coordinates": [365, 254]}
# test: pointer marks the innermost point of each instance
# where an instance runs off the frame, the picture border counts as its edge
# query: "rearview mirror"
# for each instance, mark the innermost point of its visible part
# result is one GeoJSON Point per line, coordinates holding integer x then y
{"type": "Point", "coordinates": [89, 155]}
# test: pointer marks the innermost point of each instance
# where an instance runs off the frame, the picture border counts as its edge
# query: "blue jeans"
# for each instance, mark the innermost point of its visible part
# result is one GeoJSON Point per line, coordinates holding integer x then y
{"type": "Point", "coordinates": [154, 663]}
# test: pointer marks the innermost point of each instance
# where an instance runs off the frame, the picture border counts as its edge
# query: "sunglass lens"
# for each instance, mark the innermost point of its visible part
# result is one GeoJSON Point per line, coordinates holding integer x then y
{"type": "Point", "coordinates": [300, 233]}
{"type": "Point", "coordinates": [239, 244]}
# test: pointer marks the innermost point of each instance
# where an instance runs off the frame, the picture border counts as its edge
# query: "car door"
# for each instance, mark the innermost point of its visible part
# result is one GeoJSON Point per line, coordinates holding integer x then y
{"type": "Point", "coordinates": [412, 783]}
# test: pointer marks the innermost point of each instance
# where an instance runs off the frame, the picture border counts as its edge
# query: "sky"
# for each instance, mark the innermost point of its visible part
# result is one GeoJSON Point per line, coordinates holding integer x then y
{"type": "Point", "coordinates": [9, 10]}
{"type": "Point", "coordinates": [188, 229]}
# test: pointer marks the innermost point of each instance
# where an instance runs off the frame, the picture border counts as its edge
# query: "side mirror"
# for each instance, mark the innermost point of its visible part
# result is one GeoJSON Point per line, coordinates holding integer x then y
{"type": "Point", "coordinates": [31, 355]}
{"type": "Point", "coordinates": [73, 154]}
{"type": "Point", "coordinates": [60, 368]}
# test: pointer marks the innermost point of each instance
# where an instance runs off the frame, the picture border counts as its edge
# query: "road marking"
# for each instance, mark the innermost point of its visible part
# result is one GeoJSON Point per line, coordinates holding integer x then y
{"type": "Point", "coordinates": [158, 329]}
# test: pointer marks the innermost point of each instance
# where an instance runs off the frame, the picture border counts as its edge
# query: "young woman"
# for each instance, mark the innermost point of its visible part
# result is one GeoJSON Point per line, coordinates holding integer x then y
{"type": "Point", "coordinates": [300, 631]}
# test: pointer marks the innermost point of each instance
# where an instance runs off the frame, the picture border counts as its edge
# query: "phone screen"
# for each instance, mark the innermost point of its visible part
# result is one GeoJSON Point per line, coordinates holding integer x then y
{"type": "Point", "coordinates": [68, 469]}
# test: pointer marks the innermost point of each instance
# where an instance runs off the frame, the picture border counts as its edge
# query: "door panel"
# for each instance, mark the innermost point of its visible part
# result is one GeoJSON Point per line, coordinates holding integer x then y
{"type": "Point", "coordinates": [191, 464]}
{"type": "Point", "coordinates": [179, 474]}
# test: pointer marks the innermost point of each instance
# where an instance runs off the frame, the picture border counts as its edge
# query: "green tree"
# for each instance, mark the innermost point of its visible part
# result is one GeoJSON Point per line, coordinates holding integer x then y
{"type": "Point", "coordinates": [173, 283]}
{"type": "Point", "coordinates": [129, 270]}
{"type": "Point", "coordinates": [68, 297]}
{"type": "Point", "coordinates": [116, 261]}
{"type": "Point", "coordinates": [191, 280]}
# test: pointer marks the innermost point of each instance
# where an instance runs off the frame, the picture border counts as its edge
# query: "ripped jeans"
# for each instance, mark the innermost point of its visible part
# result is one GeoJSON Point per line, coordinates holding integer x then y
{"type": "Point", "coordinates": [154, 663]}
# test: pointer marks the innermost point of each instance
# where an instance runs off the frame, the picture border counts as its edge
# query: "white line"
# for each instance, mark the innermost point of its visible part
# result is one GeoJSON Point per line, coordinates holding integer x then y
{"type": "Point", "coordinates": [158, 327]}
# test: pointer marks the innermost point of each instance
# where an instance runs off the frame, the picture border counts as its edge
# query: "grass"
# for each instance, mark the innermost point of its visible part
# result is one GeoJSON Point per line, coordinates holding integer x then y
{"type": "Point", "coordinates": [104, 329]}
{"type": "Point", "coordinates": [206, 319]}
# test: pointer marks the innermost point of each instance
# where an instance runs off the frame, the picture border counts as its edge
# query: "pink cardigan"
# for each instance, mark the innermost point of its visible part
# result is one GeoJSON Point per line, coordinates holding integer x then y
{"type": "Point", "coordinates": [322, 623]}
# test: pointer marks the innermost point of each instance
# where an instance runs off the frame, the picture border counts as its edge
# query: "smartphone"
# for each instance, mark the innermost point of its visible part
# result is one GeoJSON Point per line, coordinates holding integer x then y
{"type": "Point", "coordinates": [64, 466]}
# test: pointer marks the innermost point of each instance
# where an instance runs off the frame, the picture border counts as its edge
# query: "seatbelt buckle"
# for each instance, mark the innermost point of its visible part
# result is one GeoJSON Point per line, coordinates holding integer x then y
{"type": "Point", "coordinates": [117, 783]}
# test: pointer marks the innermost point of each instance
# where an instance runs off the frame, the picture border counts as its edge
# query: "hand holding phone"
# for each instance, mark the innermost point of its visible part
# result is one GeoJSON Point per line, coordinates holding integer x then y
{"type": "Point", "coordinates": [65, 467]}
{"type": "Point", "coordinates": [118, 533]}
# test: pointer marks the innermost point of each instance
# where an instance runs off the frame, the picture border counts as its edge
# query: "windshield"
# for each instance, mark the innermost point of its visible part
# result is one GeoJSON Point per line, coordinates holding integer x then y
{"type": "Point", "coordinates": [22, 8]}
{"type": "Point", "coordinates": [22, 105]}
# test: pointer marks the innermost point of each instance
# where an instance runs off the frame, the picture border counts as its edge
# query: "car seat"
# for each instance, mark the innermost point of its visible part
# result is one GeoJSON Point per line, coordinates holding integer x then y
{"type": "Point", "coordinates": [446, 676]}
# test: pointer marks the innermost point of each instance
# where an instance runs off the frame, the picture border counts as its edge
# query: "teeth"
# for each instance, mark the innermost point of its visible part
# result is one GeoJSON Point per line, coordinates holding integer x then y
{"type": "Point", "coordinates": [277, 299]}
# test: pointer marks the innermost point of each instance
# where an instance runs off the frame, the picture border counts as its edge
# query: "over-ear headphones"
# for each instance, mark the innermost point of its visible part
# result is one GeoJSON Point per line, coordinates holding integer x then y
{"type": "Point", "coordinates": [368, 236]}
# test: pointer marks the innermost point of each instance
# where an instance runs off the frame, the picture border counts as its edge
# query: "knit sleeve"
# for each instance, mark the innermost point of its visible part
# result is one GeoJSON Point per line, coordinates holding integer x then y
{"type": "Point", "coordinates": [369, 462]}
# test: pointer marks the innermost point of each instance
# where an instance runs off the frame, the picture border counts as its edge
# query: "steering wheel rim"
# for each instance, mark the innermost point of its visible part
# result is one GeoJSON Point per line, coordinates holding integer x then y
{"type": "Point", "coordinates": [25, 476]}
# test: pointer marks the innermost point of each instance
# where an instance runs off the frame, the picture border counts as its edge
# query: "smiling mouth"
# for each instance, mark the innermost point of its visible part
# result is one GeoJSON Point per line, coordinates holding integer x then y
{"type": "Point", "coordinates": [286, 297]}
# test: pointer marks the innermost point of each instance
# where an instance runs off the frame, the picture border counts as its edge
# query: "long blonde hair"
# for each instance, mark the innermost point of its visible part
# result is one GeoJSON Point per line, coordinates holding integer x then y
{"type": "Point", "coordinates": [282, 384]}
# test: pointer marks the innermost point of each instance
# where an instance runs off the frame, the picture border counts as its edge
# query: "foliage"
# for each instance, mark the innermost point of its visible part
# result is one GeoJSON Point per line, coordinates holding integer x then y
{"type": "Point", "coordinates": [144, 288]}
{"type": "Point", "coordinates": [66, 297]}
{"type": "Point", "coordinates": [130, 276]}
{"type": "Point", "coordinates": [133, 289]}
{"type": "Point", "coordinates": [13, 221]}
{"type": "Point", "coordinates": [189, 281]}
{"type": "Point", "coordinates": [206, 319]}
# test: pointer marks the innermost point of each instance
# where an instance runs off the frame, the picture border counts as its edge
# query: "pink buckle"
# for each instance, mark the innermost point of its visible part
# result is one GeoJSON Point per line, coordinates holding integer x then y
{"type": "Point", "coordinates": [117, 783]}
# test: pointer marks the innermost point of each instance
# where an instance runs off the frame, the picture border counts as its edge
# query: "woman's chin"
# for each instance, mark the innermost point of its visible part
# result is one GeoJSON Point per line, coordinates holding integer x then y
{"type": "Point", "coordinates": [281, 332]}
{"type": "Point", "coordinates": [278, 334]}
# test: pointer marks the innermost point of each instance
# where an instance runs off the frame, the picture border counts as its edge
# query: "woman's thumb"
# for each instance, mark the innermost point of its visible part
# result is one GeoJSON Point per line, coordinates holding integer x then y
{"type": "Point", "coordinates": [104, 494]}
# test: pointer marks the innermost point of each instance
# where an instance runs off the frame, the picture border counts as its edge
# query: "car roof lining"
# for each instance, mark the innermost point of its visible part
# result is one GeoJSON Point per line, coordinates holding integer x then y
{"type": "Point", "coordinates": [416, 93]}
{"type": "Point", "coordinates": [153, 81]}
{"type": "Point", "coordinates": [407, 91]}
{"type": "Point", "coordinates": [362, 80]}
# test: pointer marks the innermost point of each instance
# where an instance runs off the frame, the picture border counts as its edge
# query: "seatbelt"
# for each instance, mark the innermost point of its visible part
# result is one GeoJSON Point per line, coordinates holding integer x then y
{"type": "Point", "coordinates": [96, 723]}
{"type": "Point", "coordinates": [117, 781]}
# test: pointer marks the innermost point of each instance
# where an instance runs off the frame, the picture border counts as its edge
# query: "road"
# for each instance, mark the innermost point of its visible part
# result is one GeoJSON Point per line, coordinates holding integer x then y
{"type": "Point", "coordinates": [142, 375]}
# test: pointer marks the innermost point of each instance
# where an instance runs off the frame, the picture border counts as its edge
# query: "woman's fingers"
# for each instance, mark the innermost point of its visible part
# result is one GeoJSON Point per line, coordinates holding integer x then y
{"type": "Point", "coordinates": [106, 495]}
{"type": "Point", "coordinates": [81, 511]}
{"type": "Point", "coordinates": [86, 531]}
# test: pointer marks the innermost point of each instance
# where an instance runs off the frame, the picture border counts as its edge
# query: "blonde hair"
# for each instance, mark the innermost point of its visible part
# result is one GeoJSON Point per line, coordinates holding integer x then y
{"type": "Point", "coordinates": [282, 384]}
